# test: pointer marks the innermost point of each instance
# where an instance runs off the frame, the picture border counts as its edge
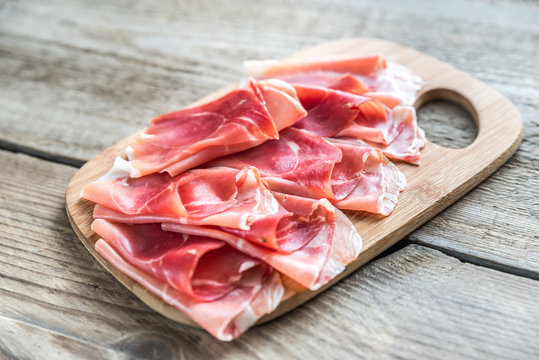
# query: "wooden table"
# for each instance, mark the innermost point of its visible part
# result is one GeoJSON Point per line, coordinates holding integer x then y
{"type": "Point", "coordinates": [77, 76]}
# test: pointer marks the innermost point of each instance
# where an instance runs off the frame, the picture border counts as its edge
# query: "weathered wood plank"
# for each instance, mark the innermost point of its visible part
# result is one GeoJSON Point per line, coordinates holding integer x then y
{"type": "Point", "coordinates": [26, 341]}
{"type": "Point", "coordinates": [91, 74]}
{"type": "Point", "coordinates": [414, 303]}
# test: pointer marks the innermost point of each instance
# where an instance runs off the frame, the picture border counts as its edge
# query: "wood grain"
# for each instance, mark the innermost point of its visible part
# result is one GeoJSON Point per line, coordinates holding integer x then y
{"type": "Point", "coordinates": [444, 175]}
{"type": "Point", "coordinates": [416, 303]}
{"type": "Point", "coordinates": [114, 66]}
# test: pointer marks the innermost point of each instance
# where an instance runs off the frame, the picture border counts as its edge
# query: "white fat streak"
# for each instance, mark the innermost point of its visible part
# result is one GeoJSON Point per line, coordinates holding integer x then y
{"type": "Point", "coordinates": [122, 168]}
{"type": "Point", "coordinates": [143, 135]}
{"type": "Point", "coordinates": [129, 152]}
{"type": "Point", "coordinates": [294, 147]}
{"type": "Point", "coordinates": [402, 81]}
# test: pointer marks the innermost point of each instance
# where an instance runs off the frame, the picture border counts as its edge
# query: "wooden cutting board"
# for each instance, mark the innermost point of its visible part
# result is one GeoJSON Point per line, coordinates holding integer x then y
{"type": "Point", "coordinates": [444, 175]}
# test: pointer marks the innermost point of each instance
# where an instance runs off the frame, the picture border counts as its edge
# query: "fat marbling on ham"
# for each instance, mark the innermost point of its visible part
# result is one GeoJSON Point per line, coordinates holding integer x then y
{"type": "Point", "coordinates": [240, 119]}
{"type": "Point", "coordinates": [279, 155]}
{"type": "Point", "coordinates": [300, 163]}
{"type": "Point", "coordinates": [371, 76]}
{"type": "Point", "coordinates": [217, 196]}
{"type": "Point", "coordinates": [181, 269]}
{"type": "Point", "coordinates": [337, 114]}
{"type": "Point", "coordinates": [332, 241]}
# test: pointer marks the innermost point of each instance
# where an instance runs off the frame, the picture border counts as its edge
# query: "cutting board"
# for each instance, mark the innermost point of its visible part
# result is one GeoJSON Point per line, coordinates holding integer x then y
{"type": "Point", "coordinates": [444, 175]}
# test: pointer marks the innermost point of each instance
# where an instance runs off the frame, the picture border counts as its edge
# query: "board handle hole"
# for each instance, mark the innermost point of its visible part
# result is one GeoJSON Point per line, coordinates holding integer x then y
{"type": "Point", "coordinates": [448, 118]}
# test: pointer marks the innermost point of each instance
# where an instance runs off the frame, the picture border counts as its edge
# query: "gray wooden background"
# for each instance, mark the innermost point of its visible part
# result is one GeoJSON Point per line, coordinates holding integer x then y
{"type": "Point", "coordinates": [77, 76]}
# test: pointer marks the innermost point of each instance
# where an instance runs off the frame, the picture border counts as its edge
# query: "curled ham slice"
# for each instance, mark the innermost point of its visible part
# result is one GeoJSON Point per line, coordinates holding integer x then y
{"type": "Point", "coordinates": [238, 120]}
{"type": "Point", "coordinates": [217, 196]}
{"type": "Point", "coordinates": [336, 114]}
{"type": "Point", "coordinates": [180, 269]}
{"type": "Point", "coordinates": [371, 76]}
{"type": "Point", "coordinates": [365, 179]}
{"type": "Point", "coordinates": [333, 241]}
{"type": "Point", "coordinates": [351, 176]}
{"type": "Point", "coordinates": [407, 144]}
{"type": "Point", "coordinates": [333, 113]}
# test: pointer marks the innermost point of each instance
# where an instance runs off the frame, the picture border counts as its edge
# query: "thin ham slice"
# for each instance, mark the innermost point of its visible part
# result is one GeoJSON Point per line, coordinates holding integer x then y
{"type": "Point", "coordinates": [217, 196]}
{"type": "Point", "coordinates": [365, 179]}
{"type": "Point", "coordinates": [371, 76]}
{"type": "Point", "coordinates": [333, 241]}
{"type": "Point", "coordinates": [407, 144]}
{"type": "Point", "coordinates": [333, 113]}
{"type": "Point", "coordinates": [337, 114]}
{"type": "Point", "coordinates": [351, 176]}
{"type": "Point", "coordinates": [236, 121]}
{"type": "Point", "coordinates": [180, 269]}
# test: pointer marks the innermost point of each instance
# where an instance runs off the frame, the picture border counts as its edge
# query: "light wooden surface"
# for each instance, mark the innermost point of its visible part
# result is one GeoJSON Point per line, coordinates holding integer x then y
{"type": "Point", "coordinates": [443, 176]}
{"type": "Point", "coordinates": [112, 66]}
{"type": "Point", "coordinates": [415, 303]}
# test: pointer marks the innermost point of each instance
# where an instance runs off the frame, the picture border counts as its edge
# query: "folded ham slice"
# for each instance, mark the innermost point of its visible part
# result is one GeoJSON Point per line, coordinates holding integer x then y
{"type": "Point", "coordinates": [407, 144]}
{"type": "Point", "coordinates": [332, 241]}
{"type": "Point", "coordinates": [350, 175]}
{"type": "Point", "coordinates": [180, 269]}
{"type": "Point", "coordinates": [337, 114]}
{"type": "Point", "coordinates": [238, 120]}
{"type": "Point", "coordinates": [371, 76]}
{"type": "Point", "coordinates": [217, 196]}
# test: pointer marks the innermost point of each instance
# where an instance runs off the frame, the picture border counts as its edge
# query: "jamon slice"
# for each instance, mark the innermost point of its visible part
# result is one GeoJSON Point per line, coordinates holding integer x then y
{"type": "Point", "coordinates": [332, 241]}
{"type": "Point", "coordinates": [365, 179]}
{"type": "Point", "coordinates": [180, 269]}
{"type": "Point", "coordinates": [371, 76]}
{"type": "Point", "coordinates": [333, 113]}
{"type": "Point", "coordinates": [407, 144]}
{"type": "Point", "coordinates": [238, 120]}
{"type": "Point", "coordinates": [217, 196]}
{"type": "Point", "coordinates": [300, 163]}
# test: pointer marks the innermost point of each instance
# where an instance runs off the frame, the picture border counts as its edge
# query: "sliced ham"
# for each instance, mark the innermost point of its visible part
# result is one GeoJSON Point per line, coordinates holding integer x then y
{"type": "Point", "coordinates": [236, 121]}
{"type": "Point", "coordinates": [365, 179]}
{"type": "Point", "coordinates": [180, 269]}
{"type": "Point", "coordinates": [332, 241]}
{"type": "Point", "coordinates": [351, 176]}
{"type": "Point", "coordinates": [217, 196]}
{"type": "Point", "coordinates": [337, 114]}
{"type": "Point", "coordinates": [371, 76]}
{"type": "Point", "coordinates": [407, 144]}
{"type": "Point", "coordinates": [333, 113]}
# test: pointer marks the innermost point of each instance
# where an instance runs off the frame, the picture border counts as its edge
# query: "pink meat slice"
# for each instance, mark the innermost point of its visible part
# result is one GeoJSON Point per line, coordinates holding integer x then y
{"type": "Point", "coordinates": [217, 196]}
{"type": "Point", "coordinates": [350, 175]}
{"type": "Point", "coordinates": [299, 163]}
{"type": "Point", "coordinates": [333, 113]}
{"type": "Point", "coordinates": [238, 120]}
{"type": "Point", "coordinates": [364, 65]}
{"type": "Point", "coordinates": [180, 269]}
{"type": "Point", "coordinates": [336, 114]}
{"type": "Point", "coordinates": [407, 144]}
{"type": "Point", "coordinates": [365, 179]}
{"type": "Point", "coordinates": [371, 76]}
{"type": "Point", "coordinates": [332, 241]}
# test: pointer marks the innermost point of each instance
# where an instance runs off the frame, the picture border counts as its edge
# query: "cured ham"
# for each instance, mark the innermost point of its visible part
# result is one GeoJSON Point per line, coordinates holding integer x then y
{"type": "Point", "coordinates": [407, 144]}
{"type": "Point", "coordinates": [214, 205]}
{"type": "Point", "coordinates": [217, 196]}
{"type": "Point", "coordinates": [332, 241]}
{"type": "Point", "coordinates": [334, 113]}
{"type": "Point", "coordinates": [180, 269]}
{"type": "Point", "coordinates": [300, 163]}
{"type": "Point", "coordinates": [238, 120]}
{"type": "Point", "coordinates": [371, 76]}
